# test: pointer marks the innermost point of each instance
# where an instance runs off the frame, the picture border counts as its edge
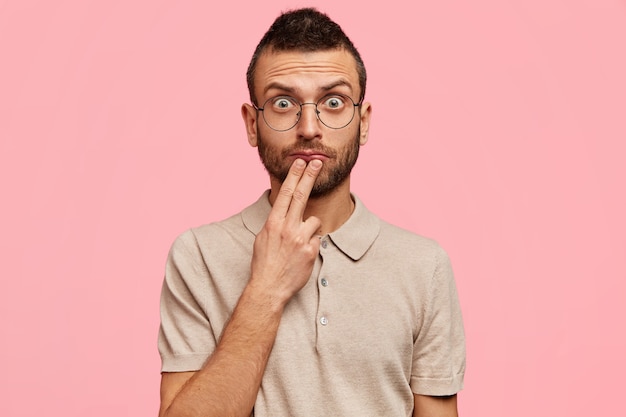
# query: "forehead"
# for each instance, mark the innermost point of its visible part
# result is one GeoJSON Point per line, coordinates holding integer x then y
{"type": "Point", "coordinates": [306, 72]}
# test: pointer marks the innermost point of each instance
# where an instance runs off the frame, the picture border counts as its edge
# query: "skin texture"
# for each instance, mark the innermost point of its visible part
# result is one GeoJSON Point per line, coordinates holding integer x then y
{"type": "Point", "coordinates": [286, 248]}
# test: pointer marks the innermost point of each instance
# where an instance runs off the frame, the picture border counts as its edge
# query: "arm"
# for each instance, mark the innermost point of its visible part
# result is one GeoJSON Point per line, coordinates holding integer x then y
{"type": "Point", "coordinates": [283, 257]}
{"type": "Point", "coordinates": [427, 406]}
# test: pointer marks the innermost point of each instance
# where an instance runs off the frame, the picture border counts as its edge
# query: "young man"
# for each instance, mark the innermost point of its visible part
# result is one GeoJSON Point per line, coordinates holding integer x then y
{"type": "Point", "coordinates": [305, 303]}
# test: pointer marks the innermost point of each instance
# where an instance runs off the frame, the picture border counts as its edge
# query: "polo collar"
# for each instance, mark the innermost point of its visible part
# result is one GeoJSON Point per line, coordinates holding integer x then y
{"type": "Point", "coordinates": [353, 238]}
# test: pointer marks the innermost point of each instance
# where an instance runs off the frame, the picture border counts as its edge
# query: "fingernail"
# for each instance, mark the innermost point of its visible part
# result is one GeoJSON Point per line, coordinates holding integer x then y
{"type": "Point", "coordinates": [316, 164]}
{"type": "Point", "coordinates": [299, 163]}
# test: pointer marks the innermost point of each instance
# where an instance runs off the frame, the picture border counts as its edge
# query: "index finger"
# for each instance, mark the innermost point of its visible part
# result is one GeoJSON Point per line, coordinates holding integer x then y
{"type": "Point", "coordinates": [295, 190]}
{"type": "Point", "coordinates": [303, 190]}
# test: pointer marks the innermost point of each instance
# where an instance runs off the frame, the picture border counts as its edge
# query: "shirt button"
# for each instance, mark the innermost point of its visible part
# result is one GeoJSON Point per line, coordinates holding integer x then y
{"type": "Point", "coordinates": [324, 244]}
{"type": "Point", "coordinates": [323, 320]}
{"type": "Point", "coordinates": [324, 282]}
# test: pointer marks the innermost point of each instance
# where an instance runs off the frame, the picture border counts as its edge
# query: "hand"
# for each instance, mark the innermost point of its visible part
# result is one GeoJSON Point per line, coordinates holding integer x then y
{"type": "Point", "coordinates": [286, 248]}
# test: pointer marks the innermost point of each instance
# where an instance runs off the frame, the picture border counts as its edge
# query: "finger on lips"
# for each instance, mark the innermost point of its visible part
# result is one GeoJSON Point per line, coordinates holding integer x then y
{"type": "Point", "coordinates": [283, 199]}
{"type": "Point", "coordinates": [303, 188]}
{"type": "Point", "coordinates": [296, 180]}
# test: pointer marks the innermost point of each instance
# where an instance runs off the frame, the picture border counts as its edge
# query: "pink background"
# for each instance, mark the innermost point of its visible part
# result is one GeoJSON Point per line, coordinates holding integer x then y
{"type": "Point", "coordinates": [499, 128]}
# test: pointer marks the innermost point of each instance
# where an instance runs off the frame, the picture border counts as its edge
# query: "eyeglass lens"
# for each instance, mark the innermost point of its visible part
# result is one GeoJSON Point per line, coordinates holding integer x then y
{"type": "Point", "coordinates": [283, 112]}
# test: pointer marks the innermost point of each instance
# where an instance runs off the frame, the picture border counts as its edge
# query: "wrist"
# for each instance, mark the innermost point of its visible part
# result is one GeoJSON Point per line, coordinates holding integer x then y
{"type": "Point", "coordinates": [263, 298]}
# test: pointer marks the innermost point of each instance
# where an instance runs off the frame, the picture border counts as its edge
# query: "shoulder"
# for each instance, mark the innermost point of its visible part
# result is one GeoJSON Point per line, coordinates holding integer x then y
{"type": "Point", "coordinates": [241, 225]}
{"type": "Point", "coordinates": [210, 237]}
{"type": "Point", "coordinates": [389, 244]}
{"type": "Point", "coordinates": [410, 244]}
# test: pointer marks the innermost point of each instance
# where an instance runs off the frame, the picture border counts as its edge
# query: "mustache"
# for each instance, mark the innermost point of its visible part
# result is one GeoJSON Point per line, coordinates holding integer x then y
{"type": "Point", "coordinates": [310, 147]}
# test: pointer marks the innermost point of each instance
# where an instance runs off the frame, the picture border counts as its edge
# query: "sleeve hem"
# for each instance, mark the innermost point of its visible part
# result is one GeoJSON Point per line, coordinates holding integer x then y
{"type": "Point", "coordinates": [437, 386]}
{"type": "Point", "coordinates": [183, 363]}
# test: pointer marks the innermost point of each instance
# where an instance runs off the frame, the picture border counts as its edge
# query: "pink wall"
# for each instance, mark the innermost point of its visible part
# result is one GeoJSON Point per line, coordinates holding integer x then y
{"type": "Point", "coordinates": [499, 128]}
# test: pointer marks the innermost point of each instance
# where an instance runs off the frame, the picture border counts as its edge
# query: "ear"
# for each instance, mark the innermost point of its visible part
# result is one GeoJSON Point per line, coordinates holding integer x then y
{"type": "Point", "coordinates": [249, 115]}
{"type": "Point", "coordinates": [365, 114]}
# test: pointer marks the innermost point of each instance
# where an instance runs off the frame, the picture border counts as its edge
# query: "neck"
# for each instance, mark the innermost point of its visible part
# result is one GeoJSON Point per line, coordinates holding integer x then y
{"type": "Point", "coordinates": [333, 209]}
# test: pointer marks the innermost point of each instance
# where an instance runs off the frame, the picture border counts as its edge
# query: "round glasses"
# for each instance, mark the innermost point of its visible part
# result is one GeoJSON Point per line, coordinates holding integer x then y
{"type": "Point", "coordinates": [281, 113]}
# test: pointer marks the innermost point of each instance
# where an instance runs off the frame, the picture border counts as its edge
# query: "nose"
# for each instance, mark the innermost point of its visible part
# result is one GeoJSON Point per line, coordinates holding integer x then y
{"type": "Point", "coordinates": [309, 125]}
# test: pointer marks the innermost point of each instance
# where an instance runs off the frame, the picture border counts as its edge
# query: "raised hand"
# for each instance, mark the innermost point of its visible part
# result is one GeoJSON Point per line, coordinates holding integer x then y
{"type": "Point", "coordinates": [284, 254]}
{"type": "Point", "coordinates": [286, 248]}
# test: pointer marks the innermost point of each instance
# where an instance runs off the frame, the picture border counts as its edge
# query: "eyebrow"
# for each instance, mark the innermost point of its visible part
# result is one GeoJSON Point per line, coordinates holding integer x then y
{"type": "Point", "coordinates": [337, 83]}
{"type": "Point", "coordinates": [292, 90]}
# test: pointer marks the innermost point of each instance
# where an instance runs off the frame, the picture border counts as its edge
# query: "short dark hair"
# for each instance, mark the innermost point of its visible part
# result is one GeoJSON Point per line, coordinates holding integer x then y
{"type": "Point", "coordinates": [306, 30]}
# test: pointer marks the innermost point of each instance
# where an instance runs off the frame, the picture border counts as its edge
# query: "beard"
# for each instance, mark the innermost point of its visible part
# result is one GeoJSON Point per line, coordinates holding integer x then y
{"type": "Point", "coordinates": [334, 172]}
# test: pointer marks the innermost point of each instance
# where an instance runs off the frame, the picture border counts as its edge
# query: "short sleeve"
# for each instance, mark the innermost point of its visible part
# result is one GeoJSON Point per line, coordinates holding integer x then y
{"type": "Point", "coordinates": [186, 338]}
{"type": "Point", "coordinates": [439, 349]}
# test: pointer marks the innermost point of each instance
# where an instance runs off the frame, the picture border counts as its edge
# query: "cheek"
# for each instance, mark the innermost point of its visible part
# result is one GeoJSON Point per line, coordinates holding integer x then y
{"type": "Point", "coordinates": [343, 138]}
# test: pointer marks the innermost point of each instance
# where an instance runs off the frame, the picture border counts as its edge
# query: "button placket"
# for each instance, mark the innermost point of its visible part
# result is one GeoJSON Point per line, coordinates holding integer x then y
{"type": "Point", "coordinates": [325, 247]}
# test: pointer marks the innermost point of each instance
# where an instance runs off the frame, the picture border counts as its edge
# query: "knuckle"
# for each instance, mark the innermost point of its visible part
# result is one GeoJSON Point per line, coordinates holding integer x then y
{"type": "Point", "coordinates": [286, 191]}
{"type": "Point", "coordinates": [272, 224]}
{"type": "Point", "coordinates": [314, 220]}
{"type": "Point", "coordinates": [311, 251]}
{"type": "Point", "coordinates": [299, 195]}
{"type": "Point", "coordinates": [293, 238]}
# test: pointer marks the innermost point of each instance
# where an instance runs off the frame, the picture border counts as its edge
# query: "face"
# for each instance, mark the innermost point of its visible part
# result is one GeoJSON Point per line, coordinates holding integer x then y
{"type": "Point", "coordinates": [308, 76]}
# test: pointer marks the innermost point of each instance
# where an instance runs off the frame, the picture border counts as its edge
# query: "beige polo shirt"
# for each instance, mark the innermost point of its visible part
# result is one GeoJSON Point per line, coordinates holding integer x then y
{"type": "Point", "coordinates": [378, 320]}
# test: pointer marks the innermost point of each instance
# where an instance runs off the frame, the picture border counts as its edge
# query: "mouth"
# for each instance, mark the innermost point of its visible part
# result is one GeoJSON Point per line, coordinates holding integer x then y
{"type": "Point", "coordinates": [308, 155]}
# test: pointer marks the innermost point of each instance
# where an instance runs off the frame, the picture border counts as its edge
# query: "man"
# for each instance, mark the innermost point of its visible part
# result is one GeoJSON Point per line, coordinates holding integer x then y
{"type": "Point", "coordinates": [305, 303]}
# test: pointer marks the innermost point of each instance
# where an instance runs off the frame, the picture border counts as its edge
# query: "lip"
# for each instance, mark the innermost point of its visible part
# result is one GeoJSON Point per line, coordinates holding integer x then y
{"type": "Point", "coordinates": [309, 156]}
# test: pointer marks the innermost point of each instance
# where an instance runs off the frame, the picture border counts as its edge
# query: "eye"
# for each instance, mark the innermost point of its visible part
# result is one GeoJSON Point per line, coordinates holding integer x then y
{"type": "Point", "coordinates": [283, 103]}
{"type": "Point", "coordinates": [333, 102]}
